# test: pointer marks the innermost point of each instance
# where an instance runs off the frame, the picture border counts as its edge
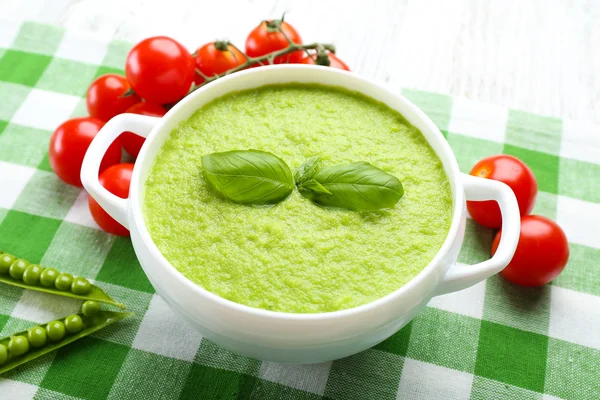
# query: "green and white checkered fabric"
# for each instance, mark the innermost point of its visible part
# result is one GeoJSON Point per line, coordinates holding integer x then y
{"type": "Point", "coordinates": [494, 340]}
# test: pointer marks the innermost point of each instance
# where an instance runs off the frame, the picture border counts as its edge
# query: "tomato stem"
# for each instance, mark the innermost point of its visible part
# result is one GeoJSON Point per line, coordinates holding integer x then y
{"type": "Point", "coordinates": [221, 45]}
{"type": "Point", "coordinates": [205, 77]}
{"type": "Point", "coordinates": [322, 57]}
{"type": "Point", "coordinates": [274, 25]}
{"type": "Point", "coordinates": [127, 93]}
{"type": "Point", "coordinates": [269, 58]}
{"type": "Point", "coordinates": [290, 42]}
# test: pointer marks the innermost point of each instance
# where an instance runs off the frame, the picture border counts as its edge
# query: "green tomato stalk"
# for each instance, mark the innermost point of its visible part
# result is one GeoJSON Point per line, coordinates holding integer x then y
{"type": "Point", "coordinates": [273, 26]}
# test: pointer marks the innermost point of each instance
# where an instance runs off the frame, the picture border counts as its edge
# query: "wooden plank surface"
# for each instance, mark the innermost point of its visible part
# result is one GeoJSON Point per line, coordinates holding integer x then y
{"type": "Point", "coordinates": [538, 55]}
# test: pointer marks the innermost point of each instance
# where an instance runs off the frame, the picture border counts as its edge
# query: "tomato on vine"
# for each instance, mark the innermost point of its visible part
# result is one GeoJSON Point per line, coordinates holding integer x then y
{"type": "Point", "coordinates": [116, 180]}
{"type": "Point", "coordinates": [68, 146]}
{"type": "Point", "coordinates": [131, 142]}
{"type": "Point", "coordinates": [106, 97]}
{"type": "Point", "coordinates": [270, 36]}
{"type": "Point", "coordinates": [216, 58]}
{"type": "Point", "coordinates": [327, 59]}
{"type": "Point", "coordinates": [160, 70]}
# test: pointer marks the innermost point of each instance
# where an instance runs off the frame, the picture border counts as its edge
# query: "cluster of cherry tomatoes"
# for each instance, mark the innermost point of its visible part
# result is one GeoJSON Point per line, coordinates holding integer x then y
{"type": "Point", "coordinates": [543, 251]}
{"type": "Point", "coordinates": [159, 72]}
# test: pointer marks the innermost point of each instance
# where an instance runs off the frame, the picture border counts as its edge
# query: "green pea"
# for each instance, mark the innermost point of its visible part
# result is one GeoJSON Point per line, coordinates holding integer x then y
{"type": "Point", "coordinates": [37, 336]}
{"type": "Point", "coordinates": [81, 286]}
{"type": "Point", "coordinates": [55, 330]}
{"type": "Point", "coordinates": [31, 276]}
{"type": "Point", "coordinates": [17, 268]}
{"type": "Point", "coordinates": [18, 345]}
{"type": "Point", "coordinates": [6, 261]}
{"type": "Point", "coordinates": [73, 323]}
{"type": "Point", "coordinates": [48, 277]}
{"type": "Point", "coordinates": [90, 308]}
{"type": "Point", "coordinates": [64, 281]}
{"type": "Point", "coordinates": [3, 354]}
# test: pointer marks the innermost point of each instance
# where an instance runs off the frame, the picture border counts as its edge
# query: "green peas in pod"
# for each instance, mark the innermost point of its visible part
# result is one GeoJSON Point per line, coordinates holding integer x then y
{"type": "Point", "coordinates": [37, 336]}
{"type": "Point", "coordinates": [32, 274]}
{"type": "Point", "coordinates": [20, 273]}
{"type": "Point", "coordinates": [17, 268]}
{"type": "Point", "coordinates": [6, 261]}
{"type": "Point", "coordinates": [90, 308]}
{"type": "Point", "coordinates": [3, 354]}
{"type": "Point", "coordinates": [22, 347]}
{"type": "Point", "coordinates": [73, 323]}
{"type": "Point", "coordinates": [55, 330]}
{"type": "Point", "coordinates": [48, 277]}
{"type": "Point", "coordinates": [18, 345]}
{"type": "Point", "coordinates": [81, 286]}
{"type": "Point", "coordinates": [64, 281]}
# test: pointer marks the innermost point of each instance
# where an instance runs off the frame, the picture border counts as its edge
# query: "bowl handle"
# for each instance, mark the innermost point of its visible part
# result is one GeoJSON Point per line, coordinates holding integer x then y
{"type": "Point", "coordinates": [115, 206]}
{"type": "Point", "coordinates": [462, 276]}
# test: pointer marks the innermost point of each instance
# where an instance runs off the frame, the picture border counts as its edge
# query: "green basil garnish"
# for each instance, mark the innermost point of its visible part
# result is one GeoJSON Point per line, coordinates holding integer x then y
{"type": "Point", "coordinates": [358, 186]}
{"type": "Point", "coordinates": [312, 190]}
{"type": "Point", "coordinates": [307, 170]}
{"type": "Point", "coordinates": [249, 176]}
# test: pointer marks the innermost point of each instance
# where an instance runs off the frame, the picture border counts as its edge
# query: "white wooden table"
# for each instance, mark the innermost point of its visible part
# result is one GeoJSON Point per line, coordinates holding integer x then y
{"type": "Point", "coordinates": [542, 56]}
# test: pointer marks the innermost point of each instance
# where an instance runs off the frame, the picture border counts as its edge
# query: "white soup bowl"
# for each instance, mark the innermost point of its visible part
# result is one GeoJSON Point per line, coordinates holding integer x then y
{"type": "Point", "coordinates": [287, 337]}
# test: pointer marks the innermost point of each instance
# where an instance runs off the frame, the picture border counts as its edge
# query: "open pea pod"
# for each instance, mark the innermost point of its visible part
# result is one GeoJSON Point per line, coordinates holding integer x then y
{"type": "Point", "coordinates": [95, 292]}
{"type": "Point", "coordinates": [18, 272]}
{"type": "Point", "coordinates": [91, 324]}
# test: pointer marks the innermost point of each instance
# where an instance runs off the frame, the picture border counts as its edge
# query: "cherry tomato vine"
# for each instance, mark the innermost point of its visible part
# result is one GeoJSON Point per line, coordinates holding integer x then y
{"type": "Point", "coordinates": [159, 72]}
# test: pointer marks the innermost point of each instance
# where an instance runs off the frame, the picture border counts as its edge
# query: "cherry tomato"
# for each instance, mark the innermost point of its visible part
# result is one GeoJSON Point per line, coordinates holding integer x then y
{"type": "Point", "coordinates": [131, 142]}
{"type": "Point", "coordinates": [260, 41]}
{"type": "Point", "coordinates": [516, 175]}
{"type": "Point", "coordinates": [160, 70]}
{"type": "Point", "coordinates": [217, 57]}
{"type": "Point", "coordinates": [334, 62]}
{"type": "Point", "coordinates": [116, 180]}
{"type": "Point", "coordinates": [68, 145]}
{"type": "Point", "coordinates": [542, 252]}
{"type": "Point", "coordinates": [105, 97]}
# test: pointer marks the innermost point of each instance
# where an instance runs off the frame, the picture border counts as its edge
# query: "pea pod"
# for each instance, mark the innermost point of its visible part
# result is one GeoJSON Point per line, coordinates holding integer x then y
{"type": "Point", "coordinates": [90, 325]}
{"type": "Point", "coordinates": [20, 273]}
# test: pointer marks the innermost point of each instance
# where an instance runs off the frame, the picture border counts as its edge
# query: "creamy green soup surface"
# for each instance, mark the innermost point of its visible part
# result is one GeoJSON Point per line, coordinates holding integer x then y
{"type": "Point", "coordinates": [295, 256]}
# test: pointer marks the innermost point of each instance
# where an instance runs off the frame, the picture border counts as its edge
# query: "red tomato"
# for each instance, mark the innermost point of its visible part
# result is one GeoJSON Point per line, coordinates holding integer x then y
{"type": "Point", "coordinates": [160, 70]}
{"type": "Point", "coordinates": [116, 180]}
{"type": "Point", "coordinates": [260, 41]}
{"type": "Point", "coordinates": [131, 142]}
{"type": "Point", "coordinates": [217, 57]}
{"type": "Point", "coordinates": [334, 62]}
{"type": "Point", "coordinates": [516, 175]}
{"type": "Point", "coordinates": [105, 97]}
{"type": "Point", "coordinates": [68, 145]}
{"type": "Point", "coordinates": [542, 252]}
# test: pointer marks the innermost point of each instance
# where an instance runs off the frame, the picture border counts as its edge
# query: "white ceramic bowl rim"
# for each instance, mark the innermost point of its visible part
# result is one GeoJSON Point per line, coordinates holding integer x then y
{"type": "Point", "coordinates": [451, 169]}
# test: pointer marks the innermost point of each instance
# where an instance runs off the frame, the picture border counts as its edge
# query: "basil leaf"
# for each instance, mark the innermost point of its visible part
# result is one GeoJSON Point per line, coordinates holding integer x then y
{"type": "Point", "coordinates": [307, 170]}
{"type": "Point", "coordinates": [358, 186]}
{"type": "Point", "coordinates": [312, 190]}
{"type": "Point", "coordinates": [249, 176]}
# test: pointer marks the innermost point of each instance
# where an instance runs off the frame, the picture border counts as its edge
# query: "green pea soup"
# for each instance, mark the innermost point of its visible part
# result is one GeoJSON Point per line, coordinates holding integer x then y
{"type": "Point", "coordinates": [295, 256]}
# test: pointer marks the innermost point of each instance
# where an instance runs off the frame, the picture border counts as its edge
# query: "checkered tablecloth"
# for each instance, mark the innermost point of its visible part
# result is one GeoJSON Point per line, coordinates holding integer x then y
{"type": "Point", "coordinates": [494, 340]}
